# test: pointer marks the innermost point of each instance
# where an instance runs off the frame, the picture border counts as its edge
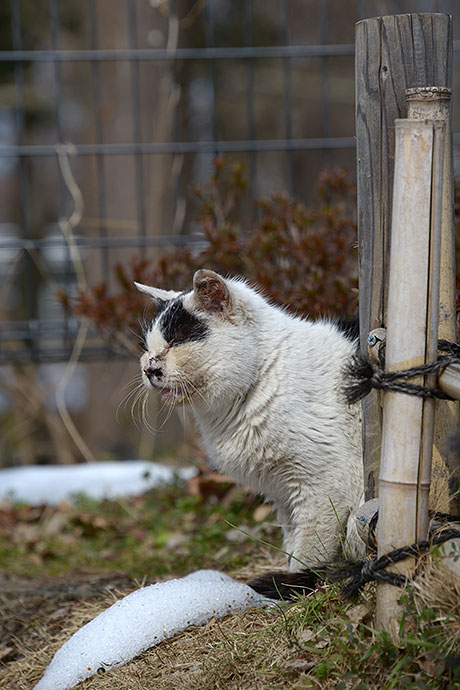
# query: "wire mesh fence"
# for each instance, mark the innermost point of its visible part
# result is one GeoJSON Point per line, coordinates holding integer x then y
{"type": "Point", "coordinates": [116, 109]}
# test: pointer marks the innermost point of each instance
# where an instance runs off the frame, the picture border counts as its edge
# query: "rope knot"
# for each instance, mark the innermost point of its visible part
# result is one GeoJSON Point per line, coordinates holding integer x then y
{"type": "Point", "coordinates": [378, 378]}
{"type": "Point", "coordinates": [361, 376]}
{"type": "Point", "coordinates": [368, 570]}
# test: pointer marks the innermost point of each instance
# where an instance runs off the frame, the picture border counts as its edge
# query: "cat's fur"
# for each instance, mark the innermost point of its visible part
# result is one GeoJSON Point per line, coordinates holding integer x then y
{"type": "Point", "coordinates": [265, 387]}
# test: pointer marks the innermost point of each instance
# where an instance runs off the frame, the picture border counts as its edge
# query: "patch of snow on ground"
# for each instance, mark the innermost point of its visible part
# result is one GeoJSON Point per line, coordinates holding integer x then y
{"type": "Point", "coordinates": [50, 484]}
{"type": "Point", "coordinates": [143, 619]}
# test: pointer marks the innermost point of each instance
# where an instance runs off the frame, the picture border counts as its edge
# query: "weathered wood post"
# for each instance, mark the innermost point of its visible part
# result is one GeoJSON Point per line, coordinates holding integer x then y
{"type": "Point", "coordinates": [393, 53]}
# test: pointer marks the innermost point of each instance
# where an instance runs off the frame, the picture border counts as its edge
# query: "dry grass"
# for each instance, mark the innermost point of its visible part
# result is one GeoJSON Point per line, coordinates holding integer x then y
{"type": "Point", "coordinates": [207, 657]}
{"type": "Point", "coordinates": [319, 642]}
{"type": "Point", "coordinates": [254, 650]}
{"type": "Point", "coordinates": [437, 589]}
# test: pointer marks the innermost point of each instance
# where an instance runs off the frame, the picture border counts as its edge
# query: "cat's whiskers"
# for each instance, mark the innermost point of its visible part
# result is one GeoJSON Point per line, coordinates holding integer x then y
{"type": "Point", "coordinates": [169, 404]}
{"type": "Point", "coordinates": [144, 418]}
{"type": "Point", "coordinates": [137, 399]}
{"type": "Point", "coordinates": [183, 383]}
{"type": "Point", "coordinates": [194, 389]}
{"type": "Point", "coordinates": [184, 396]}
{"type": "Point", "coordinates": [138, 407]}
{"type": "Point", "coordinates": [139, 337]}
{"type": "Point", "coordinates": [133, 385]}
{"type": "Point", "coordinates": [132, 395]}
{"type": "Point", "coordinates": [137, 377]}
{"type": "Point", "coordinates": [145, 320]}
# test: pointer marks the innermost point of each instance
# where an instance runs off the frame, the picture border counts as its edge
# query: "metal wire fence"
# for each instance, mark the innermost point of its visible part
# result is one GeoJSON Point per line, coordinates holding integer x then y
{"type": "Point", "coordinates": [147, 93]}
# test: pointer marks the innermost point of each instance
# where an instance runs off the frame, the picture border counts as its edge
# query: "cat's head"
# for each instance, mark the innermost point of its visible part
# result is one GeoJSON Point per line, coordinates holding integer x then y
{"type": "Point", "coordinates": [201, 344]}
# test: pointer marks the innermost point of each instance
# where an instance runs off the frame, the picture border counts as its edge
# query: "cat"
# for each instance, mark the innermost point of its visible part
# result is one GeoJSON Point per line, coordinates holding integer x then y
{"type": "Point", "coordinates": [266, 390]}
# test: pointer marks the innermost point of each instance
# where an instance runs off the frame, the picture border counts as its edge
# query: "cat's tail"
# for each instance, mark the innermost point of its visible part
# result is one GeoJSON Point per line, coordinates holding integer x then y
{"type": "Point", "coordinates": [283, 585]}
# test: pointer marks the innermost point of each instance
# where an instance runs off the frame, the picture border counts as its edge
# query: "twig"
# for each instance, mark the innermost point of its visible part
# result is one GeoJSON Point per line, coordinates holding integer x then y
{"type": "Point", "coordinates": [67, 226]}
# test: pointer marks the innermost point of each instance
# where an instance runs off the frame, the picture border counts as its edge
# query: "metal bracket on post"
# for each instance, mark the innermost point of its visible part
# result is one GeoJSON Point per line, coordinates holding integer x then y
{"type": "Point", "coordinates": [376, 344]}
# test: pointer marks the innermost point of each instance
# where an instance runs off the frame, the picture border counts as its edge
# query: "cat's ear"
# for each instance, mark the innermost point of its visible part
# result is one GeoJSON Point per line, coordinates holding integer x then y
{"type": "Point", "coordinates": [211, 291]}
{"type": "Point", "coordinates": [156, 293]}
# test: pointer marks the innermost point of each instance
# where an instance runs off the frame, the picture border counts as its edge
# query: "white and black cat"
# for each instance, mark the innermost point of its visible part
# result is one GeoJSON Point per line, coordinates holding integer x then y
{"type": "Point", "coordinates": [266, 391]}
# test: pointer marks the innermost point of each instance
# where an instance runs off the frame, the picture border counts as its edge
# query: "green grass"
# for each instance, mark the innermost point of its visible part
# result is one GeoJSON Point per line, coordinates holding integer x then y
{"type": "Point", "coordinates": [165, 531]}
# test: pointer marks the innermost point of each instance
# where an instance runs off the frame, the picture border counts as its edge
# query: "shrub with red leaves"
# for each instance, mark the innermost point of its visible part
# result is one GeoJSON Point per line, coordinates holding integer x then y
{"type": "Point", "coordinates": [300, 257]}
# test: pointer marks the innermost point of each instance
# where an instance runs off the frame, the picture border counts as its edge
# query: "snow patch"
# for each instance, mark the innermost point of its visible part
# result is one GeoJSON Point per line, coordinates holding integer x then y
{"type": "Point", "coordinates": [50, 484]}
{"type": "Point", "coordinates": [143, 619]}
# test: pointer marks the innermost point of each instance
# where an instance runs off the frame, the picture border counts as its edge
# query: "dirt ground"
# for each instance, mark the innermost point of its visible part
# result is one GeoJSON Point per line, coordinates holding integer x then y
{"type": "Point", "coordinates": [34, 611]}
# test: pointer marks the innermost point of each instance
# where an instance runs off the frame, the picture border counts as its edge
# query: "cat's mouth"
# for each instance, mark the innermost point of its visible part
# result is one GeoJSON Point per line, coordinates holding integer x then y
{"type": "Point", "coordinates": [172, 395]}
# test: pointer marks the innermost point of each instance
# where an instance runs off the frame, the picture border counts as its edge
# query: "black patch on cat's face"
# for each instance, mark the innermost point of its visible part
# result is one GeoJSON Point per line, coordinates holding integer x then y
{"type": "Point", "coordinates": [178, 326]}
{"type": "Point", "coordinates": [160, 306]}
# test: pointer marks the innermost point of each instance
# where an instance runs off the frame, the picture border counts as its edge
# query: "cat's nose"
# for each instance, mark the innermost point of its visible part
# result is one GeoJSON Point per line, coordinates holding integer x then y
{"type": "Point", "coordinates": [154, 372]}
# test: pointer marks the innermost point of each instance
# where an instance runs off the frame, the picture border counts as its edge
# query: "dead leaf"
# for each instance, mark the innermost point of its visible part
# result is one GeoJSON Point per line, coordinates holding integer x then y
{"type": "Point", "coordinates": [36, 559]}
{"type": "Point", "coordinates": [54, 524]}
{"type": "Point", "coordinates": [299, 663]}
{"type": "Point", "coordinates": [176, 539]}
{"type": "Point", "coordinates": [59, 613]}
{"type": "Point", "coordinates": [358, 613]}
{"type": "Point", "coordinates": [26, 534]}
{"type": "Point", "coordinates": [138, 533]}
{"type": "Point", "coordinates": [221, 553]}
{"type": "Point", "coordinates": [109, 554]}
{"type": "Point", "coordinates": [209, 484]}
{"type": "Point", "coordinates": [100, 522]}
{"type": "Point", "coordinates": [261, 513]}
{"type": "Point", "coordinates": [321, 644]}
{"type": "Point", "coordinates": [307, 635]}
{"type": "Point", "coordinates": [428, 666]}
{"type": "Point", "coordinates": [5, 651]}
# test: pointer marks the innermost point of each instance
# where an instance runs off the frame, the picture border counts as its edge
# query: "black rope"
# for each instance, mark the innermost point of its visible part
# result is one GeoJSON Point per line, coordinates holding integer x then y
{"type": "Point", "coordinates": [452, 349]}
{"type": "Point", "coordinates": [440, 518]}
{"type": "Point", "coordinates": [443, 517]}
{"type": "Point", "coordinates": [361, 572]}
{"type": "Point", "coordinates": [353, 574]}
{"type": "Point", "coordinates": [290, 585]}
{"type": "Point", "coordinates": [362, 376]}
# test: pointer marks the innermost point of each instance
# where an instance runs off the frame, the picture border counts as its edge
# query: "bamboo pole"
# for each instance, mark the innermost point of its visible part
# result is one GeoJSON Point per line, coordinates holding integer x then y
{"type": "Point", "coordinates": [411, 340]}
{"type": "Point", "coordinates": [449, 381]}
{"type": "Point", "coordinates": [434, 103]}
{"type": "Point", "coordinates": [432, 325]}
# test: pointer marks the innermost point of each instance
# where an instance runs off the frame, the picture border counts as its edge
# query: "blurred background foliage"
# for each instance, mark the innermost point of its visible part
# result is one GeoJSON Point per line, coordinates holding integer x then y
{"type": "Point", "coordinates": [301, 257]}
{"type": "Point", "coordinates": [145, 139]}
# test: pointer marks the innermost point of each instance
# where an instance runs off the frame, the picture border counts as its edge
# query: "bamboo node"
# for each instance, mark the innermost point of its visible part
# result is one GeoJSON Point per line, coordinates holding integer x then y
{"type": "Point", "coordinates": [428, 93]}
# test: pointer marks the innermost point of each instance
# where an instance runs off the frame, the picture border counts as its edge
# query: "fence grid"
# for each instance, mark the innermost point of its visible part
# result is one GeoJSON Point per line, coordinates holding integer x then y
{"type": "Point", "coordinates": [29, 151]}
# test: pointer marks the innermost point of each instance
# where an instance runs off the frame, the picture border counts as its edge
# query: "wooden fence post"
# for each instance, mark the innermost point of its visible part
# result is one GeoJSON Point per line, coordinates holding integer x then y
{"type": "Point", "coordinates": [393, 53]}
